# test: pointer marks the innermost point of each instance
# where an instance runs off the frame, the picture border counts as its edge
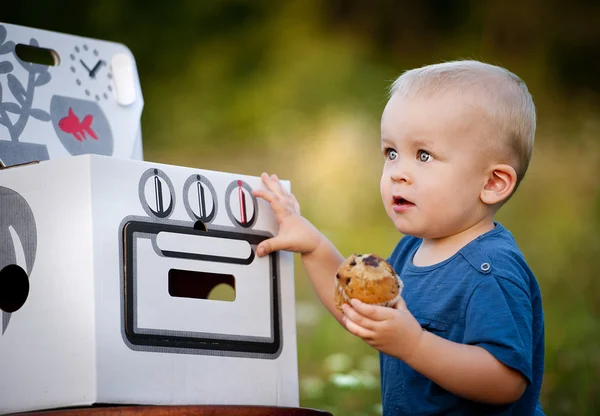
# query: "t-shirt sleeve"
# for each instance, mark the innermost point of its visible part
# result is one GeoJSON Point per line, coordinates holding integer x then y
{"type": "Point", "coordinates": [499, 319]}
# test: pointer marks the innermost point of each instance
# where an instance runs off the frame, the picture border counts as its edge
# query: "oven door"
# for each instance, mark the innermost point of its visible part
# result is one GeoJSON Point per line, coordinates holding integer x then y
{"type": "Point", "coordinates": [169, 271]}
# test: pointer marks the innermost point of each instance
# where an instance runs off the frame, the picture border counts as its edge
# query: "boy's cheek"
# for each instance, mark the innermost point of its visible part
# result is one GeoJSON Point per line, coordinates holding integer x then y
{"type": "Point", "coordinates": [383, 187]}
{"type": "Point", "coordinates": [385, 190]}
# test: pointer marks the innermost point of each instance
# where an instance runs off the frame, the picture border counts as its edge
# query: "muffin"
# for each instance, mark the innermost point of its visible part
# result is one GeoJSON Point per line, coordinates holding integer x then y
{"type": "Point", "coordinates": [368, 278]}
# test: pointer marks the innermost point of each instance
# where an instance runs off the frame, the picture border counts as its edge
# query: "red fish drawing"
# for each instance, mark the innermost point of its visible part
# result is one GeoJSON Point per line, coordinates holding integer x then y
{"type": "Point", "coordinates": [72, 125]}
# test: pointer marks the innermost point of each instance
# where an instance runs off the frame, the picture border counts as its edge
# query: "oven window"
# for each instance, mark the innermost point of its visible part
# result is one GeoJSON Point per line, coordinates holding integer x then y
{"type": "Point", "coordinates": [201, 285]}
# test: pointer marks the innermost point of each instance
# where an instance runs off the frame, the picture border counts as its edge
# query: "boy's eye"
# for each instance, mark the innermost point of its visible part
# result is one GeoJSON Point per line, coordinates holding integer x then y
{"type": "Point", "coordinates": [423, 156]}
{"type": "Point", "coordinates": [391, 154]}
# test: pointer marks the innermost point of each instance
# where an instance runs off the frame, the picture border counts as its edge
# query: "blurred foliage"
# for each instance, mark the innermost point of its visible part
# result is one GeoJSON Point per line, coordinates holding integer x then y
{"type": "Point", "coordinates": [297, 88]}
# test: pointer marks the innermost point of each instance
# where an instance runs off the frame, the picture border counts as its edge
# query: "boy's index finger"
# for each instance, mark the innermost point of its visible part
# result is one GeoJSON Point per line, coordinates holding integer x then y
{"type": "Point", "coordinates": [264, 194]}
{"type": "Point", "coordinates": [268, 186]}
{"type": "Point", "coordinates": [270, 181]}
{"type": "Point", "coordinates": [353, 315]}
{"type": "Point", "coordinates": [373, 312]}
{"type": "Point", "coordinates": [274, 184]}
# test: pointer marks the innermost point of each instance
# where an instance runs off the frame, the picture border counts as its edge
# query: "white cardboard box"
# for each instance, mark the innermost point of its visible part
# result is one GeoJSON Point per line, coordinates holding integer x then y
{"type": "Point", "coordinates": [84, 97]}
{"type": "Point", "coordinates": [105, 282]}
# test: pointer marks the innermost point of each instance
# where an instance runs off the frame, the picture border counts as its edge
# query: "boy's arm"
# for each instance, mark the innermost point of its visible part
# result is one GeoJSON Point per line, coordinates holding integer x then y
{"type": "Point", "coordinates": [319, 256]}
{"type": "Point", "coordinates": [466, 370]}
{"type": "Point", "coordinates": [321, 266]}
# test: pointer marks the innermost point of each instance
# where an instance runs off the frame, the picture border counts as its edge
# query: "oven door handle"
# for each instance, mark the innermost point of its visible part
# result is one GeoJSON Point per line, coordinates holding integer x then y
{"type": "Point", "coordinates": [204, 247]}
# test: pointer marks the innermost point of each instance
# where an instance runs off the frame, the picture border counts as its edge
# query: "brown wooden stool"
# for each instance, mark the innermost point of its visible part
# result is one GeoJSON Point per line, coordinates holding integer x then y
{"type": "Point", "coordinates": [204, 410]}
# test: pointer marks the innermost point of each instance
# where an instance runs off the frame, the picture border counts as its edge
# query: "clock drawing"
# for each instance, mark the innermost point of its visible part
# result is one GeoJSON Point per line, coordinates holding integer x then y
{"type": "Point", "coordinates": [92, 72]}
{"type": "Point", "coordinates": [80, 124]}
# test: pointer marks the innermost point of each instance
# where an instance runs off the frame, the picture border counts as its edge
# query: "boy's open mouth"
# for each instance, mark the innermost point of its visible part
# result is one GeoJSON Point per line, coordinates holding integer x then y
{"type": "Point", "coordinates": [401, 204]}
{"type": "Point", "coordinates": [401, 201]}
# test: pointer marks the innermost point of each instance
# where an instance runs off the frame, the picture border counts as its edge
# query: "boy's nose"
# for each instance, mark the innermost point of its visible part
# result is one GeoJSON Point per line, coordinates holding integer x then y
{"type": "Point", "coordinates": [400, 174]}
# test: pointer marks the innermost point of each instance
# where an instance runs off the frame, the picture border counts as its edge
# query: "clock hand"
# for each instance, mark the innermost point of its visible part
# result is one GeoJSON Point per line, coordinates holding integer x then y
{"type": "Point", "coordinates": [84, 65]}
{"type": "Point", "coordinates": [96, 68]}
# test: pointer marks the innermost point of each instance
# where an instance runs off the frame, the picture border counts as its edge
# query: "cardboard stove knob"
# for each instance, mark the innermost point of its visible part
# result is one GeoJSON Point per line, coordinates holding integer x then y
{"type": "Point", "coordinates": [14, 288]}
{"type": "Point", "coordinates": [123, 76]}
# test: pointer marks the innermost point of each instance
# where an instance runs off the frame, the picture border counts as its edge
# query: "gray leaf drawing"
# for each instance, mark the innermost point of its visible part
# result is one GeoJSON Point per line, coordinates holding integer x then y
{"type": "Point", "coordinates": [11, 107]}
{"type": "Point", "coordinates": [5, 67]}
{"type": "Point", "coordinates": [42, 79]}
{"type": "Point", "coordinates": [8, 47]}
{"type": "Point", "coordinates": [2, 34]}
{"type": "Point", "coordinates": [40, 114]}
{"type": "Point", "coordinates": [16, 88]}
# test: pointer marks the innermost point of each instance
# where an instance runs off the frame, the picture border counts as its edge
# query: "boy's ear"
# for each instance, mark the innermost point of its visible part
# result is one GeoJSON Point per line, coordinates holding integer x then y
{"type": "Point", "coordinates": [501, 181]}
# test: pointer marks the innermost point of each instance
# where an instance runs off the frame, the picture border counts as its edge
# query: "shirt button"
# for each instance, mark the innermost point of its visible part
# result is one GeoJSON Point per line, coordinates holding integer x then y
{"type": "Point", "coordinates": [485, 266]}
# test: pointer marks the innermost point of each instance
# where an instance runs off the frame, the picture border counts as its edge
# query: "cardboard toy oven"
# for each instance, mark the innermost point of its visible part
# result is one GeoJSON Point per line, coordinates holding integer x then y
{"type": "Point", "coordinates": [64, 95]}
{"type": "Point", "coordinates": [108, 267]}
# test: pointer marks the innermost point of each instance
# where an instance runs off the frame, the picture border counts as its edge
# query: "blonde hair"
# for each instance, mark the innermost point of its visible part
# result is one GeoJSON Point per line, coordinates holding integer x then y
{"type": "Point", "coordinates": [501, 94]}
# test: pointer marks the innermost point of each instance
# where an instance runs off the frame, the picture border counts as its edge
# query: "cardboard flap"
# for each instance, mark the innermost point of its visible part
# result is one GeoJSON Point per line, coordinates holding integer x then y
{"type": "Point", "coordinates": [64, 95]}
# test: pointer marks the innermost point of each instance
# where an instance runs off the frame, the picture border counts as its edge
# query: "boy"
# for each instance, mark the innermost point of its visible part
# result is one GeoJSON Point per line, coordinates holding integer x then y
{"type": "Point", "coordinates": [468, 336]}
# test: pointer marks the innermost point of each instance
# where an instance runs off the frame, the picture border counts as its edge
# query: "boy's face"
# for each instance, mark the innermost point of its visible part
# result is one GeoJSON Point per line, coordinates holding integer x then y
{"type": "Point", "coordinates": [435, 167]}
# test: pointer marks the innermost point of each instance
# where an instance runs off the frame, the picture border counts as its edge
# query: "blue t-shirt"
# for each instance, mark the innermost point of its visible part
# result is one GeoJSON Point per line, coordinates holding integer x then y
{"type": "Point", "coordinates": [483, 295]}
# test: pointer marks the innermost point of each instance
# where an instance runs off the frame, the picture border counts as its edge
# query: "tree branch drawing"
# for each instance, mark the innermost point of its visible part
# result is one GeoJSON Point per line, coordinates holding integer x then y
{"type": "Point", "coordinates": [38, 75]}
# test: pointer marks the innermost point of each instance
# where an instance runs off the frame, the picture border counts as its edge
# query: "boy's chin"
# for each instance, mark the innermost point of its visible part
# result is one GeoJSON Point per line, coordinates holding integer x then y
{"type": "Point", "coordinates": [408, 230]}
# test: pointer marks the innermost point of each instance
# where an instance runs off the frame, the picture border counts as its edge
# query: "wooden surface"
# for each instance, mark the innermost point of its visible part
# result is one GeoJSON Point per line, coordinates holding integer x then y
{"type": "Point", "coordinates": [231, 410]}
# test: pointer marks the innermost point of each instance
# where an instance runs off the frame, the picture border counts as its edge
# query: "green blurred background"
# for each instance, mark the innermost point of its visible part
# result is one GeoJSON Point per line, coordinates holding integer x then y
{"type": "Point", "coordinates": [297, 88]}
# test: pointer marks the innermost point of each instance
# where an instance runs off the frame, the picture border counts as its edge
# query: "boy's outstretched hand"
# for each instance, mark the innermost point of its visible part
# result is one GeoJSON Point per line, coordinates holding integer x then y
{"type": "Point", "coordinates": [295, 232]}
{"type": "Point", "coordinates": [393, 331]}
